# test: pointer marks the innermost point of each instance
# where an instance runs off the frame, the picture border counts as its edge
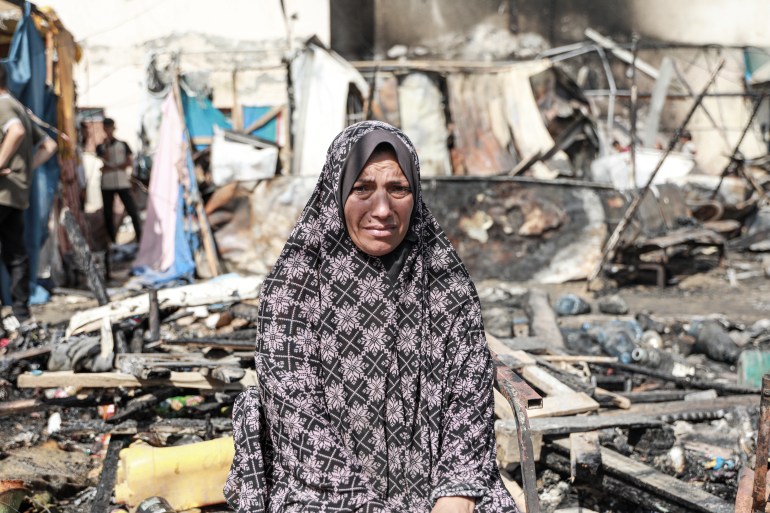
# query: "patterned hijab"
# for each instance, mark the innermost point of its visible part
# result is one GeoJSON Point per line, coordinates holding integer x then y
{"type": "Point", "coordinates": [375, 393]}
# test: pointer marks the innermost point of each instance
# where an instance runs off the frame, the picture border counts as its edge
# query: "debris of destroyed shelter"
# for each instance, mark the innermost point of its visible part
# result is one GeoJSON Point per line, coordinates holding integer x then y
{"type": "Point", "coordinates": [623, 286]}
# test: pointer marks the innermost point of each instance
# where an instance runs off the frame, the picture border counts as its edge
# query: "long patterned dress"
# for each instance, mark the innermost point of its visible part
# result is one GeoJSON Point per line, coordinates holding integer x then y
{"type": "Point", "coordinates": [375, 393]}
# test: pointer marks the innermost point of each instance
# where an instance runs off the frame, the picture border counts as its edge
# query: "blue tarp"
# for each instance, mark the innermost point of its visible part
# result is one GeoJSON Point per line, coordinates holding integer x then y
{"type": "Point", "coordinates": [183, 268]}
{"type": "Point", "coordinates": [269, 131]}
{"type": "Point", "coordinates": [26, 64]}
{"type": "Point", "coordinates": [201, 116]}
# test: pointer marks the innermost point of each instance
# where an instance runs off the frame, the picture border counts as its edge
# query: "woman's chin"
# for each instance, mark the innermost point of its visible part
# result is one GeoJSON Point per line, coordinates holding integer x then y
{"type": "Point", "coordinates": [376, 248]}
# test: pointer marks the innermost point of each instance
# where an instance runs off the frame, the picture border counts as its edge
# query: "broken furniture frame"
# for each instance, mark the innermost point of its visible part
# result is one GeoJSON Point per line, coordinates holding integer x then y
{"type": "Point", "coordinates": [521, 396]}
{"type": "Point", "coordinates": [610, 248]}
{"type": "Point", "coordinates": [664, 246]}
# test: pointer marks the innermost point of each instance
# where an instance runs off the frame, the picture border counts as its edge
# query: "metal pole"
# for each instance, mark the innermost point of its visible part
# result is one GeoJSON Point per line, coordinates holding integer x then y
{"type": "Point", "coordinates": [613, 90]}
{"type": "Point", "coordinates": [738, 145]}
{"type": "Point", "coordinates": [634, 93]}
{"type": "Point", "coordinates": [517, 392]}
{"type": "Point", "coordinates": [609, 251]}
{"type": "Point", "coordinates": [154, 316]}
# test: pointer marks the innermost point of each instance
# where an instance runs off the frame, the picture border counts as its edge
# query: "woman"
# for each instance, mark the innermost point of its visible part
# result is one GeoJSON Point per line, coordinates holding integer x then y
{"type": "Point", "coordinates": [375, 378]}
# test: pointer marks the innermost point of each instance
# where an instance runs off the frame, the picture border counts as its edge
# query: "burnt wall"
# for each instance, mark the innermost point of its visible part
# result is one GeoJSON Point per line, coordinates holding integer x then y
{"type": "Point", "coordinates": [352, 28]}
{"type": "Point", "coordinates": [558, 216]}
{"type": "Point", "coordinates": [564, 21]}
{"type": "Point", "coordinates": [365, 28]}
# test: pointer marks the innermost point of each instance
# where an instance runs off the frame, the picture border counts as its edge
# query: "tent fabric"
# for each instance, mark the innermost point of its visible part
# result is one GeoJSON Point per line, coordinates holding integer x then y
{"type": "Point", "coordinates": [201, 117]}
{"type": "Point", "coordinates": [26, 64]}
{"type": "Point", "coordinates": [269, 131]}
{"type": "Point", "coordinates": [321, 81]}
{"type": "Point", "coordinates": [182, 267]}
{"type": "Point", "coordinates": [170, 232]}
{"type": "Point", "coordinates": [157, 249]}
{"type": "Point", "coordinates": [239, 162]}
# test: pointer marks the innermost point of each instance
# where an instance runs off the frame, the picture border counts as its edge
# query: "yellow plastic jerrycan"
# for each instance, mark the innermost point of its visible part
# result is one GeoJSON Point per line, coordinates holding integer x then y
{"type": "Point", "coordinates": [187, 476]}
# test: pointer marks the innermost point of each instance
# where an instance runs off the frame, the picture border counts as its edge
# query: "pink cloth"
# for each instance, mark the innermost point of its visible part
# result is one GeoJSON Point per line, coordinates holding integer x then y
{"type": "Point", "coordinates": [157, 247]}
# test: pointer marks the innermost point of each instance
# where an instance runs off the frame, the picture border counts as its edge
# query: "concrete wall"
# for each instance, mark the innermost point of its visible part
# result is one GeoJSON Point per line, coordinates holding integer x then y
{"type": "Point", "coordinates": [116, 36]}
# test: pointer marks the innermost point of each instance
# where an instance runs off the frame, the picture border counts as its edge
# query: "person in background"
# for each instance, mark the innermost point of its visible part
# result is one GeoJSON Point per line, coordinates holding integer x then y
{"type": "Point", "coordinates": [685, 144]}
{"type": "Point", "coordinates": [23, 147]}
{"type": "Point", "coordinates": [116, 179]}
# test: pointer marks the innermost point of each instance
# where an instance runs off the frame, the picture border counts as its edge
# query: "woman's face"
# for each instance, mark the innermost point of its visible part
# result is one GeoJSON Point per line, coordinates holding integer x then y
{"type": "Point", "coordinates": [379, 207]}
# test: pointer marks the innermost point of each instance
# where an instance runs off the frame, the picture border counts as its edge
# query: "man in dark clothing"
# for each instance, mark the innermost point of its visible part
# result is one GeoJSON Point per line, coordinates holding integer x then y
{"type": "Point", "coordinates": [23, 147]}
{"type": "Point", "coordinates": [118, 162]}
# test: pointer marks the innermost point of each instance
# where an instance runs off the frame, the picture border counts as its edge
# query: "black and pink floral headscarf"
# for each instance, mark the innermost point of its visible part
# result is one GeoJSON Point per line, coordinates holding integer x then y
{"type": "Point", "coordinates": [375, 393]}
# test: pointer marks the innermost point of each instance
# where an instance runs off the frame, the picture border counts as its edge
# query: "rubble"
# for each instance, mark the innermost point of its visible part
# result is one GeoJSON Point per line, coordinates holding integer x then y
{"type": "Point", "coordinates": [642, 428]}
{"type": "Point", "coordinates": [624, 293]}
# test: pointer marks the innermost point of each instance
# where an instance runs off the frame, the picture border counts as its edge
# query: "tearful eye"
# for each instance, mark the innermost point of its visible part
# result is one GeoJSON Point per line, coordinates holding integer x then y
{"type": "Point", "coordinates": [401, 190]}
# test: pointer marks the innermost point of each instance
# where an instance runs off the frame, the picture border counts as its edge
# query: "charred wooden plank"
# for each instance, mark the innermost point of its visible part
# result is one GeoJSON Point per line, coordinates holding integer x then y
{"type": "Point", "coordinates": [722, 388]}
{"type": "Point", "coordinates": [567, 425]}
{"type": "Point", "coordinates": [656, 396]}
{"type": "Point", "coordinates": [153, 316]}
{"type": "Point", "coordinates": [20, 406]}
{"type": "Point", "coordinates": [654, 482]}
{"type": "Point", "coordinates": [693, 410]}
{"type": "Point", "coordinates": [119, 379]}
{"type": "Point", "coordinates": [23, 355]}
{"type": "Point", "coordinates": [611, 486]}
{"type": "Point", "coordinates": [211, 342]}
{"type": "Point", "coordinates": [543, 318]}
{"type": "Point", "coordinates": [142, 403]}
{"type": "Point", "coordinates": [585, 457]}
{"type": "Point", "coordinates": [106, 484]}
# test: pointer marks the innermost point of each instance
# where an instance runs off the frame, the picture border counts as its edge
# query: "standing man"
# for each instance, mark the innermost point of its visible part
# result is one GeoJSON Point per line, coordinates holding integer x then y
{"type": "Point", "coordinates": [23, 147]}
{"type": "Point", "coordinates": [118, 162]}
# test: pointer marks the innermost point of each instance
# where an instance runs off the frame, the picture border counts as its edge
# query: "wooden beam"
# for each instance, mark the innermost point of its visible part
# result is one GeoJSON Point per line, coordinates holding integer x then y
{"type": "Point", "coordinates": [20, 406]}
{"type": "Point", "coordinates": [224, 290]}
{"type": "Point", "coordinates": [264, 119]}
{"type": "Point", "coordinates": [516, 492]}
{"type": "Point", "coordinates": [32, 352]}
{"type": "Point", "coordinates": [543, 318]}
{"type": "Point", "coordinates": [656, 482]}
{"type": "Point", "coordinates": [610, 486]}
{"type": "Point", "coordinates": [567, 358]}
{"type": "Point", "coordinates": [120, 379]}
{"type": "Point", "coordinates": [101, 501]}
{"type": "Point", "coordinates": [576, 424]}
{"type": "Point", "coordinates": [560, 399]}
{"type": "Point", "coordinates": [508, 446]}
{"type": "Point", "coordinates": [617, 399]}
{"type": "Point", "coordinates": [677, 409]}
{"type": "Point", "coordinates": [622, 54]}
{"type": "Point", "coordinates": [564, 404]}
{"type": "Point", "coordinates": [585, 457]}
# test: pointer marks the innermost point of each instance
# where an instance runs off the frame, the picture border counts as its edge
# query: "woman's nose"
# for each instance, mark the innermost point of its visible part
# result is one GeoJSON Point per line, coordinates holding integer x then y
{"type": "Point", "coordinates": [380, 204]}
